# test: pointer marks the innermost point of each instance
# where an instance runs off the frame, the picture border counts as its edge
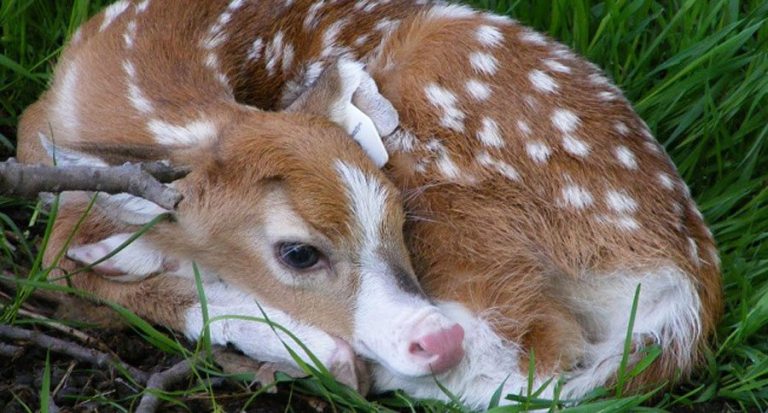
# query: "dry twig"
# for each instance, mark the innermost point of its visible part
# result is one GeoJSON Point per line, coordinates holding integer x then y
{"type": "Point", "coordinates": [161, 381]}
{"type": "Point", "coordinates": [71, 349]}
{"type": "Point", "coordinates": [144, 180]}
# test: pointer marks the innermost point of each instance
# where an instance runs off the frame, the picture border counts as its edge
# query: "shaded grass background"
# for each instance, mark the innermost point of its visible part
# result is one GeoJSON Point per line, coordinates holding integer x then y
{"type": "Point", "coordinates": [697, 72]}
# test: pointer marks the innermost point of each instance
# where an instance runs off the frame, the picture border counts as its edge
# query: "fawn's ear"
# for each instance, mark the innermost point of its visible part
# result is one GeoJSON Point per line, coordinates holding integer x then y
{"type": "Point", "coordinates": [123, 207]}
{"type": "Point", "coordinates": [62, 156]}
{"type": "Point", "coordinates": [348, 96]}
{"type": "Point", "coordinates": [136, 261]}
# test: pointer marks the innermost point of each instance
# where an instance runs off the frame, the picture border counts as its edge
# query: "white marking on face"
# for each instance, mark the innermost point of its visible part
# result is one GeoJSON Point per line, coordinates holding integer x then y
{"type": "Point", "coordinates": [477, 89]}
{"type": "Point", "coordinates": [112, 12]}
{"type": "Point", "coordinates": [450, 11]}
{"type": "Point", "coordinates": [626, 157]}
{"type": "Point", "coordinates": [274, 52]}
{"type": "Point", "coordinates": [666, 181]}
{"type": "Point", "coordinates": [542, 81]}
{"type": "Point", "coordinates": [532, 37]}
{"type": "Point", "coordinates": [483, 63]}
{"type": "Point", "coordinates": [525, 129]}
{"type": "Point", "coordinates": [452, 117]}
{"type": "Point", "coordinates": [565, 120]}
{"type": "Point", "coordinates": [575, 146]}
{"type": "Point", "coordinates": [367, 197]}
{"type": "Point", "coordinates": [254, 52]}
{"type": "Point", "coordinates": [499, 166]}
{"type": "Point", "coordinates": [556, 66]}
{"type": "Point", "coordinates": [538, 151]}
{"type": "Point", "coordinates": [192, 133]}
{"type": "Point", "coordinates": [620, 202]}
{"type": "Point", "coordinates": [576, 196]}
{"type": "Point", "coordinates": [489, 134]}
{"type": "Point", "coordinates": [311, 20]}
{"type": "Point", "coordinates": [488, 36]}
{"type": "Point", "coordinates": [622, 128]}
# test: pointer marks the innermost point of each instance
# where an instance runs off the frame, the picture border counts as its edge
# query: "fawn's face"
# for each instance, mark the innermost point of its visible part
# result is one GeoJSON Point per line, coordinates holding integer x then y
{"type": "Point", "coordinates": [294, 213]}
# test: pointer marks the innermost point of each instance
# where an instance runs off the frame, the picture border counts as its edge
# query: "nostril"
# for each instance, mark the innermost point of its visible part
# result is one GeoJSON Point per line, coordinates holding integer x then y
{"type": "Point", "coordinates": [417, 350]}
{"type": "Point", "coordinates": [443, 349]}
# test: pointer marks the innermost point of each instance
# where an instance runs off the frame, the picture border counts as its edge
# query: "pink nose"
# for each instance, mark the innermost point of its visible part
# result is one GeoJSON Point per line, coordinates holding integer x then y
{"type": "Point", "coordinates": [443, 349]}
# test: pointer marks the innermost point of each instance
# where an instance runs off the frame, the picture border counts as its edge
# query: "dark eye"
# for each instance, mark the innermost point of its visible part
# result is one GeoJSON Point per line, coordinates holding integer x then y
{"type": "Point", "coordinates": [297, 255]}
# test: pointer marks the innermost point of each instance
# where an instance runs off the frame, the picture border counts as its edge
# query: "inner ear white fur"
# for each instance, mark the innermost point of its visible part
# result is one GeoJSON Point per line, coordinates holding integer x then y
{"type": "Point", "coordinates": [66, 157]}
{"type": "Point", "coordinates": [123, 207]}
{"type": "Point", "coordinates": [129, 209]}
{"type": "Point", "coordinates": [137, 261]}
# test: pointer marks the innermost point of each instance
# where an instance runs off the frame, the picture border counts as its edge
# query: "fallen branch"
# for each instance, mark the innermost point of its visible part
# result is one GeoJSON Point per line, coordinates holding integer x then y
{"type": "Point", "coordinates": [10, 351]}
{"type": "Point", "coordinates": [71, 349]}
{"type": "Point", "coordinates": [161, 381]}
{"type": "Point", "coordinates": [144, 180]}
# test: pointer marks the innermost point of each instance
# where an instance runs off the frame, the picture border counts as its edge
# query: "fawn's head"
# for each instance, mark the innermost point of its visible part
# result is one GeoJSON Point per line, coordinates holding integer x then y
{"type": "Point", "coordinates": [286, 207]}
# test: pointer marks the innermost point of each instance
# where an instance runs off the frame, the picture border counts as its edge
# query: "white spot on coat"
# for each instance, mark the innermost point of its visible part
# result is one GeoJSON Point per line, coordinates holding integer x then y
{"type": "Point", "coordinates": [538, 151]}
{"type": "Point", "coordinates": [666, 181]}
{"type": "Point", "coordinates": [254, 52]}
{"type": "Point", "coordinates": [112, 12]}
{"type": "Point", "coordinates": [489, 134]}
{"type": "Point", "coordinates": [524, 127]}
{"type": "Point", "coordinates": [556, 66]}
{"type": "Point", "coordinates": [576, 196]}
{"type": "Point", "coordinates": [274, 52]}
{"type": "Point", "coordinates": [575, 146]}
{"type": "Point", "coordinates": [450, 11]}
{"type": "Point", "coordinates": [141, 7]}
{"type": "Point", "coordinates": [620, 201]}
{"type": "Point", "coordinates": [488, 36]}
{"type": "Point", "coordinates": [622, 128]}
{"type": "Point", "coordinates": [565, 120]}
{"type": "Point", "coordinates": [452, 117]}
{"type": "Point", "coordinates": [477, 89]}
{"type": "Point", "coordinates": [499, 166]}
{"type": "Point", "coordinates": [483, 63]}
{"type": "Point", "coordinates": [311, 20]}
{"type": "Point", "coordinates": [193, 133]}
{"type": "Point", "coordinates": [626, 157]}
{"type": "Point", "coordinates": [532, 37]}
{"type": "Point", "coordinates": [542, 81]}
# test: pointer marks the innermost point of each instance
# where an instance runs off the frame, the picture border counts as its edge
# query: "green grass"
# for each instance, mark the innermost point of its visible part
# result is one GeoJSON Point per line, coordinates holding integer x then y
{"type": "Point", "coordinates": [697, 72]}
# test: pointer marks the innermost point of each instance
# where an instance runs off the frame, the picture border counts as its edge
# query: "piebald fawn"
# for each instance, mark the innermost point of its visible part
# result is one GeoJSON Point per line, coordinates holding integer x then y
{"type": "Point", "coordinates": [535, 200]}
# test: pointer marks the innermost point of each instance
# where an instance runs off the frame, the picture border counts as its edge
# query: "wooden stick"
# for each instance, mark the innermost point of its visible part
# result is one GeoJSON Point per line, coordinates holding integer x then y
{"type": "Point", "coordinates": [161, 381]}
{"type": "Point", "coordinates": [144, 180]}
{"type": "Point", "coordinates": [71, 349]}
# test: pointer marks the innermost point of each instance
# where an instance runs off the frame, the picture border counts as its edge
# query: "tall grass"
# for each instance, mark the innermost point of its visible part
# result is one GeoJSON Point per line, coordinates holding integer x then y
{"type": "Point", "coordinates": [697, 72]}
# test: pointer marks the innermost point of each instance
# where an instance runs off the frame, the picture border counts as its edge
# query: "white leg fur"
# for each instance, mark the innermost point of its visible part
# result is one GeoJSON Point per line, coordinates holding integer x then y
{"type": "Point", "coordinates": [668, 313]}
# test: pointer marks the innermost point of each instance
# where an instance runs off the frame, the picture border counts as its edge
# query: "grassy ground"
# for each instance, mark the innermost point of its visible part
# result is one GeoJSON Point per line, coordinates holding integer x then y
{"type": "Point", "coordinates": [697, 71]}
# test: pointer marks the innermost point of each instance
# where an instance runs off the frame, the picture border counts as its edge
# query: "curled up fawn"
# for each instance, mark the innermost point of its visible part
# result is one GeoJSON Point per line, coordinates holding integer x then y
{"type": "Point", "coordinates": [520, 204]}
